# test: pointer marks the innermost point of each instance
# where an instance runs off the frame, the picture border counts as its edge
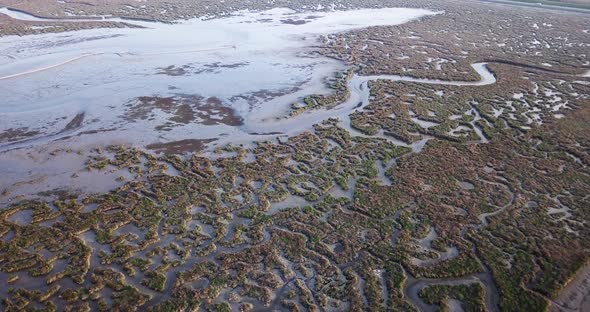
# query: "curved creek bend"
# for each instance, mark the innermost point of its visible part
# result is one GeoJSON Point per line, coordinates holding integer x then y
{"type": "Point", "coordinates": [244, 72]}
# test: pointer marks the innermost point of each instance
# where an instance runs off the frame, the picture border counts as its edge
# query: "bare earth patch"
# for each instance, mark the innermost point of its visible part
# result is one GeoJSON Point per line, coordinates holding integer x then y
{"type": "Point", "coordinates": [180, 147]}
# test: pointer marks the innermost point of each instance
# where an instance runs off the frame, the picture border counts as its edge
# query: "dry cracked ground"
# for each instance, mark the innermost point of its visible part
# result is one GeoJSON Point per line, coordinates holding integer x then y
{"type": "Point", "coordinates": [490, 215]}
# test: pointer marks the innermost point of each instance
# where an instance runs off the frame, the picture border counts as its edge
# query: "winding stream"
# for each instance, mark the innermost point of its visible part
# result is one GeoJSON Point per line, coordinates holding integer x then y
{"type": "Point", "coordinates": [358, 99]}
{"type": "Point", "coordinates": [413, 287]}
{"type": "Point", "coordinates": [484, 216]}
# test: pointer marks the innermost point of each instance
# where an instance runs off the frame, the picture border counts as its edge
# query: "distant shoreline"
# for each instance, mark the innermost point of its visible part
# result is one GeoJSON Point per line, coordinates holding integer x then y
{"type": "Point", "coordinates": [542, 5]}
{"type": "Point", "coordinates": [78, 18]}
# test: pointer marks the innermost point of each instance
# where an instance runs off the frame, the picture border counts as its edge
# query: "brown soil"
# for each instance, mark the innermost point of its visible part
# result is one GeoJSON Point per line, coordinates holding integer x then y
{"type": "Point", "coordinates": [16, 134]}
{"type": "Point", "coordinates": [182, 109]}
{"type": "Point", "coordinates": [180, 147]}
{"type": "Point", "coordinates": [75, 123]}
